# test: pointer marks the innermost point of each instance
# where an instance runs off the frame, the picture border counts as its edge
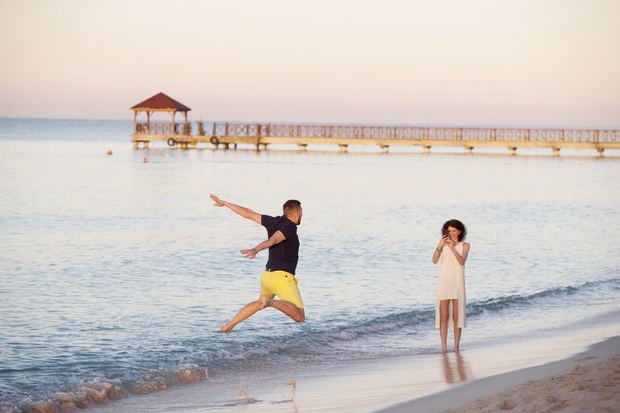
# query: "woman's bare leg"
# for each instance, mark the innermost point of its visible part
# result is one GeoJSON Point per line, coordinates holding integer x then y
{"type": "Point", "coordinates": [443, 323]}
{"type": "Point", "coordinates": [457, 330]}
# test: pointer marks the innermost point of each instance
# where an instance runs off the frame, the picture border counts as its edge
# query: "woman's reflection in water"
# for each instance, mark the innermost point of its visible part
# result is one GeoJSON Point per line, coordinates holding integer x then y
{"type": "Point", "coordinates": [456, 370]}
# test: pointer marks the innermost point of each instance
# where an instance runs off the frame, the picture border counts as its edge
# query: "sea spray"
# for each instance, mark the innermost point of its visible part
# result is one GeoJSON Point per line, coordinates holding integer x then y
{"type": "Point", "coordinates": [291, 396]}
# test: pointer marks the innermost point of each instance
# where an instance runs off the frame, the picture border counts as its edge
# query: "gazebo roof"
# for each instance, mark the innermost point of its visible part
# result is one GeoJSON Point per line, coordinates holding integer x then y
{"type": "Point", "coordinates": [161, 102]}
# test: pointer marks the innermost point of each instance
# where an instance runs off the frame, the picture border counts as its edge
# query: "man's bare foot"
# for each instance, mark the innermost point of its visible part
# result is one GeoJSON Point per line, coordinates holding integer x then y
{"type": "Point", "coordinates": [227, 328]}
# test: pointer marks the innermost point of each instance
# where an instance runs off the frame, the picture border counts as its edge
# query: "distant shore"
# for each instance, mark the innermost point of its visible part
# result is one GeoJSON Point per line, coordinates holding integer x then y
{"type": "Point", "coordinates": [588, 381]}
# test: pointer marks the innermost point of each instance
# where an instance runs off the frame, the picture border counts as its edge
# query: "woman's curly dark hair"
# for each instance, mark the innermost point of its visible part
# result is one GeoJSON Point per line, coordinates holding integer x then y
{"type": "Point", "coordinates": [455, 223]}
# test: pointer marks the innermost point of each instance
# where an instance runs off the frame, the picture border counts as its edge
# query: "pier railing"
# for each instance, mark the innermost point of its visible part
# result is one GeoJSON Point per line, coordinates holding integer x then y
{"type": "Point", "coordinates": [158, 128]}
{"type": "Point", "coordinates": [414, 133]}
{"type": "Point", "coordinates": [233, 133]}
{"type": "Point", "coordinates": [258, 130]}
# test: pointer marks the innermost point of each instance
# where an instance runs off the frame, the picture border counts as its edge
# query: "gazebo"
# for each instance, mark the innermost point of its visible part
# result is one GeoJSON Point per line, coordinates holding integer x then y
{"type": "Point", "coordinates": [158, 103]}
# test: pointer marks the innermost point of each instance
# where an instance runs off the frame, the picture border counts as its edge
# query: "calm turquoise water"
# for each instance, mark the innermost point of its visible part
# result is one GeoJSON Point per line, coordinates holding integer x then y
{"type": "Point", "coordinates": [113, 270]}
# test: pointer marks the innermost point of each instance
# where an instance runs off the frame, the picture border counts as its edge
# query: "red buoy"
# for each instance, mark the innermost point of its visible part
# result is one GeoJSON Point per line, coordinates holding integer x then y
{"type": "Point", "coordinates": [145, 160]}
{"type": "Point", "coordinates": [110, 152]}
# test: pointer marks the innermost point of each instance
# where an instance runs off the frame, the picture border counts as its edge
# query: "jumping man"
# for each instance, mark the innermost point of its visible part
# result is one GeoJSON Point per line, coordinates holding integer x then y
{"type": "Point", "coordinates": [279, 275]}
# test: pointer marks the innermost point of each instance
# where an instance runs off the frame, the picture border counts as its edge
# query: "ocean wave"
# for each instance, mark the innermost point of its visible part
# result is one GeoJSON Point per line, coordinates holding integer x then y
{"type": "Point", "coordinates": [396, 321]}
{"type": "Point", "coordinates": [312, 343]}
{"type": "Point", "coordinates": [319, 341]}
{"type": "Point", "coordinates": [102, 391]}
{"type": "Point", "coordinates": [516, 300]}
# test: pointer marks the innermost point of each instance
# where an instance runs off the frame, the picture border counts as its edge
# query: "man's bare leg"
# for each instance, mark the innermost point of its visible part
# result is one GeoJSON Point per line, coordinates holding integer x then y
{"type": "Point", "coordinates": [246, 312]}
{"type": "Point", "coordinates": [250, 309]}
{"type": "Point", "coordinates": [289, 309]}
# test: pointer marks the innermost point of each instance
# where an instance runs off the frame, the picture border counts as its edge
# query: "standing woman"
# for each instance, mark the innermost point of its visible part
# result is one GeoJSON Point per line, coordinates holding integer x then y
{"type": "Point", "coordinates": [450, 308]}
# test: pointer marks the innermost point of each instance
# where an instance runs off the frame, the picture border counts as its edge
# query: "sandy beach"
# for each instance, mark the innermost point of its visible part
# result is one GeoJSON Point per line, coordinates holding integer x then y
{"type": "Point", "coordinates": [591, 388]}
{"type": "Point", "coordinates": [586, 382]}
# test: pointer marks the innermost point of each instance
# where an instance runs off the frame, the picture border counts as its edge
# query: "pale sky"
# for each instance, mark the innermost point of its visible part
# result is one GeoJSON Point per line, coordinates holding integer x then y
{"type": "Point", "coordinates": [552, 63]}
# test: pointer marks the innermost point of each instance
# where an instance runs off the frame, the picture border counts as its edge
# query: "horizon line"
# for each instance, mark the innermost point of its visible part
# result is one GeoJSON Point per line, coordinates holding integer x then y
{"type": "Point", "coordinates": [421, 125]}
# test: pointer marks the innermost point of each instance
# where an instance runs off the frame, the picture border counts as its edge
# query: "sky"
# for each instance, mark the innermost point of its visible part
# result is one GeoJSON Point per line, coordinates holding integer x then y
{"type": "Point", "coordinates": [525, 63]}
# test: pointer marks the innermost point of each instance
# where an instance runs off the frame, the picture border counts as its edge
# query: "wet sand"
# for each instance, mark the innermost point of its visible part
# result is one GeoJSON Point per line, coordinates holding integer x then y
{"type": "Point", "coordinates": [586, 382]}
{"type": "Point", "coordinates": [451, 380]}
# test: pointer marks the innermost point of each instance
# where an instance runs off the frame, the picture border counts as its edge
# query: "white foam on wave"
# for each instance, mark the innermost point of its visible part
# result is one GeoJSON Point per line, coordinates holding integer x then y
{"type": "Point", "coordinates": [102, 391]}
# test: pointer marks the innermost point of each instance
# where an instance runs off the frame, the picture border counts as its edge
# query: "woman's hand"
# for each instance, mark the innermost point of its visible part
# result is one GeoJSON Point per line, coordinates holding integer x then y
{"type": "Point", "coordinates": [439, 248]}
{"type": "Point", "coordinates": [447, 241]}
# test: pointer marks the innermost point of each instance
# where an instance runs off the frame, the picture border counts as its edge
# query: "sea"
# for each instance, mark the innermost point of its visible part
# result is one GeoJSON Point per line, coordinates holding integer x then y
{"type": "Point", "coordinates": [117, 271]}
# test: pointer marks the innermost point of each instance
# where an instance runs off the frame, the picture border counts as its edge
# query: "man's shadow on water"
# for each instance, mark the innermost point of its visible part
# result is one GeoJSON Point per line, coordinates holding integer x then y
{"type": "Point", "coordinates": [455, 368]}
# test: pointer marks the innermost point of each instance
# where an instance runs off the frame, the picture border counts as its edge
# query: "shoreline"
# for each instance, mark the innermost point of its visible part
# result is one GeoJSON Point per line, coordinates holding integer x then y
{"type": "Point", "coordinates": [499, 392]}
{"type": "Point", "coordinates": [379, 385]}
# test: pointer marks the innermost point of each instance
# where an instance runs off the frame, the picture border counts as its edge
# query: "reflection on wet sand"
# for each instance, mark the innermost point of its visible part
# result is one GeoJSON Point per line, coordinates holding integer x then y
{"type": "Point", "coordinates": [455, 368]}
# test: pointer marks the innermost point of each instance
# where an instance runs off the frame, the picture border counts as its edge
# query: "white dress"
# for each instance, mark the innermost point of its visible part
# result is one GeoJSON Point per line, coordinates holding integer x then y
{"type": "Point", "coordinates": [451, 285]}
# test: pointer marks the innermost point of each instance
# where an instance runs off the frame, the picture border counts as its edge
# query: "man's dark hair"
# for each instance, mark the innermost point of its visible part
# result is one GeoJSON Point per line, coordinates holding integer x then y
{"type": "Point", "coordinates": [290, 205]}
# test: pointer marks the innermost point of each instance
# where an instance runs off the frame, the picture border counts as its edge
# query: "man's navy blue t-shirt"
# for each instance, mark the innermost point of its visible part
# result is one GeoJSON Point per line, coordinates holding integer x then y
{"type": "Point", "coordinates": [282, 256]}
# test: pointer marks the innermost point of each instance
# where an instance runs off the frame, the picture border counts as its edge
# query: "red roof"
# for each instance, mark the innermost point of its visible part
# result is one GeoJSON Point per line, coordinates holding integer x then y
{"type": "Point", "coordinates": [161, 101]}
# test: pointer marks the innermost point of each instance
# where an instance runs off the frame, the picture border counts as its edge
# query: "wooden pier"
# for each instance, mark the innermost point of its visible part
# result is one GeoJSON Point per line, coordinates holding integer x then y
{"type": "Point", "coordinates": [229, 135]}
{"type": "Point", "coordinates": [261, 135]}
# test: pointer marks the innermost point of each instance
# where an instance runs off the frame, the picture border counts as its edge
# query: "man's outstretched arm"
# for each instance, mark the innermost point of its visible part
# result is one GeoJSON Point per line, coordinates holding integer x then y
{"type": "Point", "coordinates": [243, 211]}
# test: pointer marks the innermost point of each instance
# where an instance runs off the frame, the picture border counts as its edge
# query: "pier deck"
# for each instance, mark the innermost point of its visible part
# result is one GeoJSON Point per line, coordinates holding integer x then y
{"type": "Point", "coordinates": [227, 135]}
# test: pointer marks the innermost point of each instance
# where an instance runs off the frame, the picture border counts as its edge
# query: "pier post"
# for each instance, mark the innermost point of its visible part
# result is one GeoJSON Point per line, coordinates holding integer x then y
{"type": "Point", "coordinates": [470, 149]}
{"type": "Point", "coordinates": [226, 145]}
{"type": "Point", "coordinates": [556, 151]}
{"type": "Point", "coordinates": [600, 152]}
{"type": "Point", "coordinates": [342, 147]}
{"type": "Point", "coordinates": [427, 149]}
{"type": "Point", "coordinates": [235, 146]}
{"type": "Point", "coordinates": [302, 146]}
{"type": "Point", "coordinates": [513, 151]}
{"type": "Point", "coordinates": [385, 148]}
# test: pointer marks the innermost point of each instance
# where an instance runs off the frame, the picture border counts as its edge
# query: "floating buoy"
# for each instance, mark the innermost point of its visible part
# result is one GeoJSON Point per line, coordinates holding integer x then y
{"type": "Point", "coordinates": [145, 160]}
{"type": "Point", "coordinates": [109, 152]}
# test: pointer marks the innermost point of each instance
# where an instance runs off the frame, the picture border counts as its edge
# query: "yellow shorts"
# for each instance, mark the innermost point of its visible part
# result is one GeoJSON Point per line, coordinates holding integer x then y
{"type": "Point", "coordinates": [282, 284]}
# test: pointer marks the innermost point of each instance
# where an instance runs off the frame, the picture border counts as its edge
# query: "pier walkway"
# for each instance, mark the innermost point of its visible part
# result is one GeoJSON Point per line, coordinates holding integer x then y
{"type": "Point", "coordinates": [227, 135]}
